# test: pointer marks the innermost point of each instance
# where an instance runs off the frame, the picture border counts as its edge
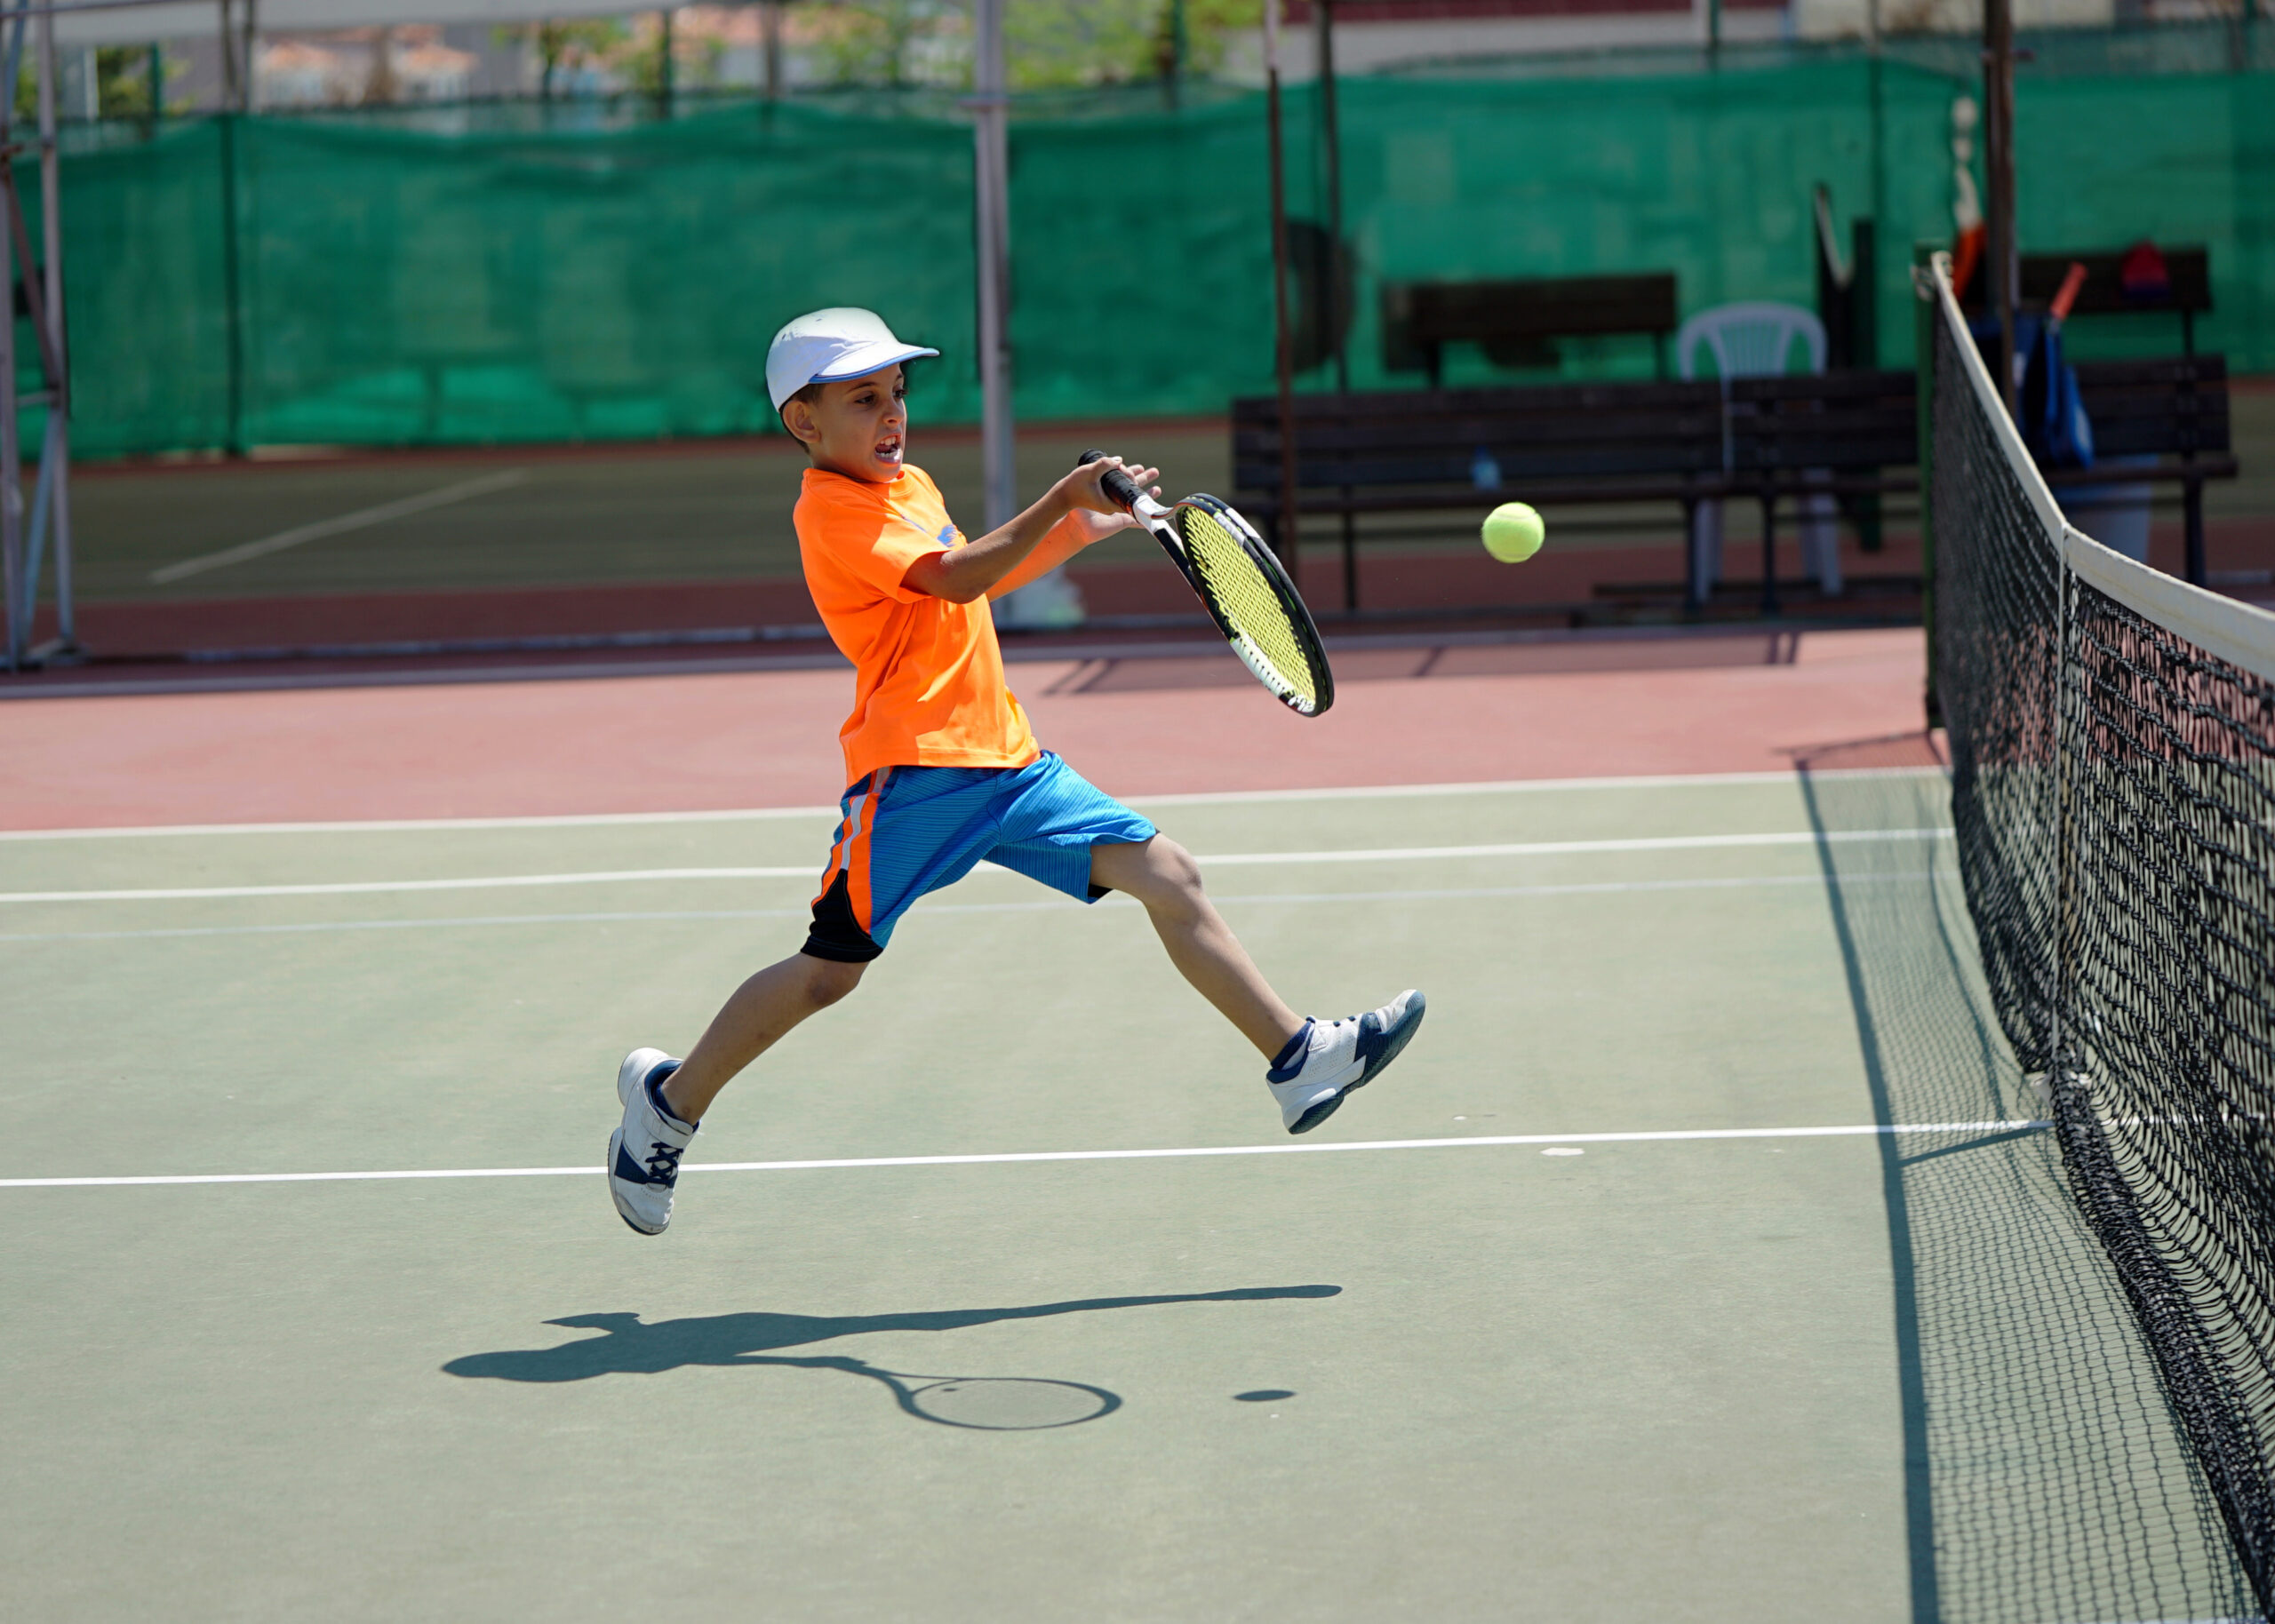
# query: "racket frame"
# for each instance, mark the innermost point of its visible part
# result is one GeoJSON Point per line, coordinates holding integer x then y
{"type": "Point", "coordinates": [1161, 521]}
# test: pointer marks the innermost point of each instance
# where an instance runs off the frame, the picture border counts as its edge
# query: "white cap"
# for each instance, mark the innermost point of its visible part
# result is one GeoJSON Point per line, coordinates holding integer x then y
{"type": "Point", "coordinates": [823, 346]}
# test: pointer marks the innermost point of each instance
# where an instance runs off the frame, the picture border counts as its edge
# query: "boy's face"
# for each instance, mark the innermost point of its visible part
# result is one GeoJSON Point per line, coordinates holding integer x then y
{"type": "Point", "coordinates": [859, 428]}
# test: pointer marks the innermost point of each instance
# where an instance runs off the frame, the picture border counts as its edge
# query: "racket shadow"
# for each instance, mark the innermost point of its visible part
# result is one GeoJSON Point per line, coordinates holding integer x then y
{"type": "Point", "coordinates": [630, 1346]}
{"type": "Point", "coordinates": [979, 1404]}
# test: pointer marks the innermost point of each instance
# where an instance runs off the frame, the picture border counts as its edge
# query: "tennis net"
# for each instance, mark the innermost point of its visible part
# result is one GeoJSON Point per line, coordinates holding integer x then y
{"type": "Point", "coordinates": [2112, 743]}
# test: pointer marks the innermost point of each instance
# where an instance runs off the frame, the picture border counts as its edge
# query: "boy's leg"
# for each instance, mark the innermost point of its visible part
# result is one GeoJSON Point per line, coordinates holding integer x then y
{"type": "Point", "coordinates": [1161, 875]}
{"type": "Point", "coordinates": [664, 1098]}
{"type": "Point", "coordinates": [759, 1015]}
{"type": "Point", "coordinates": [1314, 1066]}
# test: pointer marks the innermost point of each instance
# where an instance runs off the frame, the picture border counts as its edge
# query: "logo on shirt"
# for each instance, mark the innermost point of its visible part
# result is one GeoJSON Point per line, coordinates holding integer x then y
{"type": "Point", "coordinates": [947, 536]}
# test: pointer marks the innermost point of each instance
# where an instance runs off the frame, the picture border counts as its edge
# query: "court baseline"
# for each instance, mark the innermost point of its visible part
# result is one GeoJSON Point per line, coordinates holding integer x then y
{"type": "Point", "coordinates": [1646, 1136]}
{"type": "Point", "coordinates": [1602, 888]}
{"type": "Point", "coordinates": [806, 870]}
{"type": "Point", "coordinates": [360, 519]}
{"type": "Point", "coordinates": [1205, 797]}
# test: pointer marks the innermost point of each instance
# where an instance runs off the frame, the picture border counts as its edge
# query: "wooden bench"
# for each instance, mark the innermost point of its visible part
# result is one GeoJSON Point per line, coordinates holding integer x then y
{"type": "Point", "coordinates": [1408, 451]}
{"type": "Point", "coordinates": [1785, 439]}
{"type": "Point", "coordinates": [2188, 272]}
{"type": "Point", "coordinates": [1517, 323]}
{"type": "Point", "coordinates": [1852, 433]}
{"type": "Point", "coordinates": [2175, 410]}
{"type": "Point", "coordinates": [1837, 433]}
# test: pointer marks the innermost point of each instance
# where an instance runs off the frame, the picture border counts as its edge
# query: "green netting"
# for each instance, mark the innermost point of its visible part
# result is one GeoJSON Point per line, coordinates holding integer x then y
{"type": "Point", "coordinates": [517, 273]}
{"type": "Point", "coordinates": [1710, 176]}
{"type": "Point", "coordinates": [145, 291]}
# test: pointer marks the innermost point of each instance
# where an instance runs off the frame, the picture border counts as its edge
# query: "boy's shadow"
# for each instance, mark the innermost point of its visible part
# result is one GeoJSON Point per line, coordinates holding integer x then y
{"type": "Point", "coordinates": [996, 1404]}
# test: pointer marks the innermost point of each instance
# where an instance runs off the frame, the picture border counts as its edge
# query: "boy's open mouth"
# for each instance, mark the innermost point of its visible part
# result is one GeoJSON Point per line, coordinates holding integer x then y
{"type": "Point", "coordinates": [888, 449]}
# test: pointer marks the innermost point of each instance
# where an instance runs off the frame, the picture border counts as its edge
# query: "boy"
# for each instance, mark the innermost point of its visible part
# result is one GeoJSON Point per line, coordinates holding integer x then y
{"type": "Point", "coordinates": [943, 770]}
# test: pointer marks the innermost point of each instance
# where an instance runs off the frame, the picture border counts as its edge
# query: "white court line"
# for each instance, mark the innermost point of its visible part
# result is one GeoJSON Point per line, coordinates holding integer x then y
{"type": "Point", "coordinates": [1059, 905]}
{"type": "Point", "coordinates": [807, 871]}
{"type": "Point", "coordinates": [362, 519]}
{"type": "Point", "coordinates": [1510, 786]}
{"type": "Point", "coordinates": [821, 1165]}
{"type": "Point", "coordinates": [601, 820]}
{"type": "Point", "coordinates": [418, 825]}
{"type": "Point", "coordinates": [361, 888]}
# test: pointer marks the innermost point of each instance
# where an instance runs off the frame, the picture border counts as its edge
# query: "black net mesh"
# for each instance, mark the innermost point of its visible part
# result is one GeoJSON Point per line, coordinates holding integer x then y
{"type": "Point", "coordinates": [2048, 1481]}
{"type": "Point", "coordinates": [1250, 603]}
{"type": "Point", "coordinates": [2114, 796]}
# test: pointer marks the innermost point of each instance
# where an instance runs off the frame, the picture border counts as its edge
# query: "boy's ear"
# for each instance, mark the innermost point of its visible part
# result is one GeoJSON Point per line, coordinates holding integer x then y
{"type": "Point", "coordinates": [798, 417]}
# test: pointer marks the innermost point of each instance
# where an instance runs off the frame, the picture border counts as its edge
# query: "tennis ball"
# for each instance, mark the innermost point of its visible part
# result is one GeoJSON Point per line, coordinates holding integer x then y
{"type": "Point", "coordinates": [1513, 532]}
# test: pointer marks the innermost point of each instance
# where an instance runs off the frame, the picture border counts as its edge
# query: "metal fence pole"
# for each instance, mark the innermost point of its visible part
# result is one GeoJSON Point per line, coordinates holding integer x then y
{"type": "Point", "coordinates": [1285, 533]}
{"type": "Point", "coordinates": [55, 454]}
{"type": "Point", "coordinates": [232, 290]}
{"type": "Point", "coordinates": [2000, 260]}
{"type": "Point", "coordinates": [991, 176]}
{"type": "Point", "coordinates": [12, 473]}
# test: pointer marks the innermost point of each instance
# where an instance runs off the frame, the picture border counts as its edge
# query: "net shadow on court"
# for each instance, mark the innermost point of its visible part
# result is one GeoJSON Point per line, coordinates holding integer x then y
{"type": "Point", "coordinates": [2045, 1476]}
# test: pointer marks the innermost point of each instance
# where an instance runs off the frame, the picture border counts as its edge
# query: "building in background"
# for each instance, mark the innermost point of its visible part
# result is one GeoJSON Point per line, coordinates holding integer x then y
{"type": "Point", "coordinates": [798, 44]}
{"type": "Point", "coordinates": [364, 66]}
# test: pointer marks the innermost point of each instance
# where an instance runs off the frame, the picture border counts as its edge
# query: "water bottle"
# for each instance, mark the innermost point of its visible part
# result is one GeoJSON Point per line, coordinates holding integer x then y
{"type": "Point", "coordinates": [1484, 473]}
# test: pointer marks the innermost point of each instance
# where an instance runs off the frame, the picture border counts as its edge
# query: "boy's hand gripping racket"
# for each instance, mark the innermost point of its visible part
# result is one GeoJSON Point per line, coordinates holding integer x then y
{"type": "Point", "coordinates": [1242, 586]}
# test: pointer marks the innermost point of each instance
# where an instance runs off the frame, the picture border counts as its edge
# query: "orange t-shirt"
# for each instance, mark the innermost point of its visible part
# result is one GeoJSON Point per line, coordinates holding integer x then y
{"type": "Point", "coordinates": [928, 688]}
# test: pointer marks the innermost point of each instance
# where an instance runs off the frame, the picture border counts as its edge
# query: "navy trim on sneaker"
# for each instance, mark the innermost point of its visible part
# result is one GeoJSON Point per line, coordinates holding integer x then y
{"type": "Point", "coordinates": [654, 1085]}
{"type": "Point", "coordinates": [1287, 1065]}
{"type": "Point", "coordinates": [1379, 1044]}
{"type": "Point", "coordinates": [661, 1168]}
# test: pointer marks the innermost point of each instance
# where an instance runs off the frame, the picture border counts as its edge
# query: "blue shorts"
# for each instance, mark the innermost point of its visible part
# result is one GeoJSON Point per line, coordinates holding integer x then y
{"type": "Point", "coordinates": [906, 830]}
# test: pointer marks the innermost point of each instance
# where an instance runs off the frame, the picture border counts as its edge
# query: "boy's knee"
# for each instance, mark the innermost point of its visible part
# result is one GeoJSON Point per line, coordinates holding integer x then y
{"type": "Point", "coordinates": [1173, 876]}
{"type": "Point", "coordinates": [828, 980]}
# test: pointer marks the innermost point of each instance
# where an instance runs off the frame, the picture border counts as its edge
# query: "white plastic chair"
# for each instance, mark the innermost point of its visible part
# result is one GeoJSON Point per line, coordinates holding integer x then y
{"type": "Point", "coordinates": [1755, 339]}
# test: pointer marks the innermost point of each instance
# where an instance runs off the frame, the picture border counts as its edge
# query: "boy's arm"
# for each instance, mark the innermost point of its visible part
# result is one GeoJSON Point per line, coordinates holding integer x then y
{"type": "Point", "coordinates": [966, 574]}
{"type": "Point", "coordinates": [1063, 540]}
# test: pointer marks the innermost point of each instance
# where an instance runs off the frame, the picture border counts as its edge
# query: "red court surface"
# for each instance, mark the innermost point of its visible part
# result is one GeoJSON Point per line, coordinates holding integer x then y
{"type": "Point", "coordinates": [1561, 708]}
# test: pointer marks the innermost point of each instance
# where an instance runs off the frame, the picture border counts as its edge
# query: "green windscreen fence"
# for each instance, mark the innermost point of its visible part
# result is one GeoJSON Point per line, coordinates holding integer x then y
{"type": "Point", "coordinates": [514, 273]}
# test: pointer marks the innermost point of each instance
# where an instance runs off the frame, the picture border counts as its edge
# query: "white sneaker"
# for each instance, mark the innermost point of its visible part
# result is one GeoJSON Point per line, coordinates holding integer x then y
{"type": "Point", "coordinates": [643, 1154]}
{"type": "Point", "coordinates": [1331, 1059]}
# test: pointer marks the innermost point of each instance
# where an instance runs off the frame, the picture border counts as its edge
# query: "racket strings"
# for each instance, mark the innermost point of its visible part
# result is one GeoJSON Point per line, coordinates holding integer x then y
{"type": "Point", "coordinates": [1247, 599]}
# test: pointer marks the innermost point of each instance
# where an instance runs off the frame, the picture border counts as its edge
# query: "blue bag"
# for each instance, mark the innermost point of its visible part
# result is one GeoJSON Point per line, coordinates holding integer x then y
{"type": "Point", "coordinates": [2051, 413]}
{"type": "Point", "coordinates": [2053, 422]}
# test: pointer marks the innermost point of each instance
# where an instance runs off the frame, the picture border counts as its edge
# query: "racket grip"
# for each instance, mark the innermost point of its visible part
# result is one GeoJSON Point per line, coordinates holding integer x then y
{"type": "Point", "coordinates": [1117, 484]}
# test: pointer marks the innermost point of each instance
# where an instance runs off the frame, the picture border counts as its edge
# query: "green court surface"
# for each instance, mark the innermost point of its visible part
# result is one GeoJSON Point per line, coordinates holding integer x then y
{"type": "Point", "coordinates": [501, 519]}
{"type": "Point", "coordinates": [1584, 1373]}
{"type": "Point", "coordinates": [705, 512]}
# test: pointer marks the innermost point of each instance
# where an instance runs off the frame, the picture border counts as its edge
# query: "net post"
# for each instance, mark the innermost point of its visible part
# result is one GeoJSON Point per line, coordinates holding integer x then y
{"type": "Point", "coordinates": [2065, 884]}
{"type": "Point", "coordinates": [1924, 316]}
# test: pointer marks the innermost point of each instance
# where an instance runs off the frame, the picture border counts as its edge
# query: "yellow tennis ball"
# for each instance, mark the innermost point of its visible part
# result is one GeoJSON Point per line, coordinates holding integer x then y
{"type": "Point", "coordinates": [1513, 532]}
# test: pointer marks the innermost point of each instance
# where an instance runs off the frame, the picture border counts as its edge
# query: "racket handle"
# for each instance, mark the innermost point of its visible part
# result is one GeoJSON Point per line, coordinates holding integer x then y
{"type": "Point", "coordinates": [1117, 484]}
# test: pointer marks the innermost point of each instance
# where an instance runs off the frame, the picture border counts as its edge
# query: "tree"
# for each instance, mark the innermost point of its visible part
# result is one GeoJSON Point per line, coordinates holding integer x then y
{"type": "Point", "coordinates": [1057, 42]}
{"type": "Point", "coordinates": [868, 42]}
{"type": "Point", "coordinates": [590, 43]}
{"type": "Point", "coordinates": [123, 79]}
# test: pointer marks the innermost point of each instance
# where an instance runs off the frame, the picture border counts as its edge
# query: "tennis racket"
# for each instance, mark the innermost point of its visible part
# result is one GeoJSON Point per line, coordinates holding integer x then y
{"type": "Point", "coordinates": [1243, 588]}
